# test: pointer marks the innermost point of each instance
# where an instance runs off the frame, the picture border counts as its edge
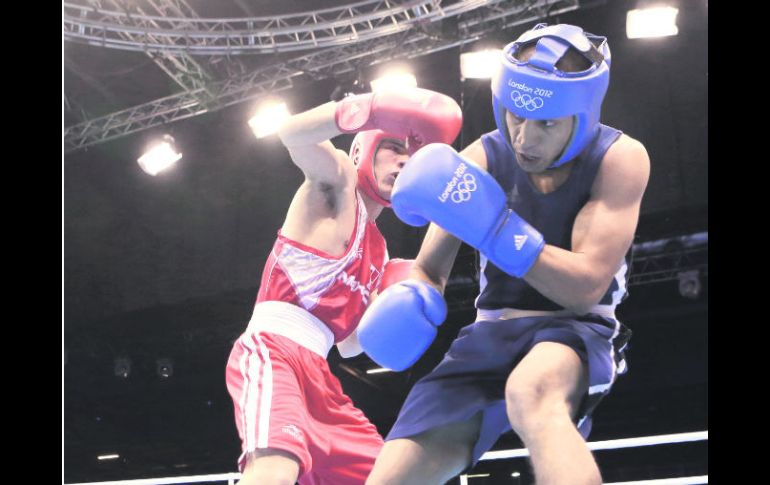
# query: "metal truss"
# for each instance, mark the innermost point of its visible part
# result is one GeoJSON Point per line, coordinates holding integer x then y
{"type": "Point", "coordinates": [180, 66]}
{"type": "Point", "coordinates": [227, 36]}
{"type": "Point", "coordinates": [323, 63]}
{"type": "Point", "coordinates": [652, 262]}
{"type": "Point", "coordinates": [668, 259]}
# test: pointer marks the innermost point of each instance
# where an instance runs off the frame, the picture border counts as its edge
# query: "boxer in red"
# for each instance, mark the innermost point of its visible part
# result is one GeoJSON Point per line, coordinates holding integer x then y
{"type": "Point", "coordinates": [328, 263]}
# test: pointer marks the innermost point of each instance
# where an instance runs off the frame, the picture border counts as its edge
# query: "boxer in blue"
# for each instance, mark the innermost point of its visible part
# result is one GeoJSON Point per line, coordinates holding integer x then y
{"type": "Point", "coordinates": [551, 201]}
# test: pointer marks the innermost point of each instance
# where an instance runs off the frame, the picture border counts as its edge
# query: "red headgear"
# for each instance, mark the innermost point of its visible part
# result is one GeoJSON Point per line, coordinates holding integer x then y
{"type": "Point", "coordinates": [362, 152]}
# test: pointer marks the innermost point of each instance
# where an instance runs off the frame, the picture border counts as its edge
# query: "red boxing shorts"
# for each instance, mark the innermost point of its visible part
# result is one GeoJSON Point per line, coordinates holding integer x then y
{"type": "Point", "coordinates": [286, 397]}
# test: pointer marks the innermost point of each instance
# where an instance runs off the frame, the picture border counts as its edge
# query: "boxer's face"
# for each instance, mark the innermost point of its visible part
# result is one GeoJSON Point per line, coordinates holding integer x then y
{"type": "Point", "coordinates": [388, 161]}
{"type": "Point", "coordinates": [538, 143]}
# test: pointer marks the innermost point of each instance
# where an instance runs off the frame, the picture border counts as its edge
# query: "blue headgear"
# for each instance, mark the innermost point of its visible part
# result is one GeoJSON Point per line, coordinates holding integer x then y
{"type": "Point", "coordinates": [537, 89]}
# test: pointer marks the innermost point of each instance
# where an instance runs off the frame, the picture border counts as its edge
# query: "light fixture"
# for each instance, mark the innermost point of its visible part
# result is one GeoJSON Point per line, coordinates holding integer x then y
{"type": "Point", "coordinates": [689, 284]}
{"type": "Point", "coordinates": [122, 367]}
{"type": "Point", "coordinates": [651, 22]}
{"type": "Point", "coordinates": [164, 367]}
{"type": "Point", "coordinates": [479, 64]}
{"type": "Point", "coordinates": [160, 156]}
{"type": "Point", "coordinates": [394, 78]}
{"type": "Point", "coordinates": [269, 117]}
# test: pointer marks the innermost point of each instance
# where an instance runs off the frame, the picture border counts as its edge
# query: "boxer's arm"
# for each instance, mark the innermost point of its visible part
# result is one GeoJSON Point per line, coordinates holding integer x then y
{"type": "Point", "coordinates": [602, 234]}
{"type": "Point", "coordinates": [439, 248]}
{"type": "Point", "coordinates": [306, 135]}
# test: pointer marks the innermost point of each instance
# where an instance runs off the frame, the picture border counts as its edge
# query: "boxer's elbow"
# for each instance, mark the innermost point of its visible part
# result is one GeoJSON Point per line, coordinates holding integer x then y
{"type": "Point", "coordinates": [589, 294]}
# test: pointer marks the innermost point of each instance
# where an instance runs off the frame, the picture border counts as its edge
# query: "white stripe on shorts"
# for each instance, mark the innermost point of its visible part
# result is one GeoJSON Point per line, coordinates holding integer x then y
{"type": "Point", "coordinates": [258, 393]}
{"type": "Point", "coordinates": [267, 396]}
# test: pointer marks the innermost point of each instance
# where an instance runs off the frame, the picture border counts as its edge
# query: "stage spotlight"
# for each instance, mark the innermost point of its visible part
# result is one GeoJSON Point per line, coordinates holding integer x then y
{"type": "Point", "coordinates": [160, 156]}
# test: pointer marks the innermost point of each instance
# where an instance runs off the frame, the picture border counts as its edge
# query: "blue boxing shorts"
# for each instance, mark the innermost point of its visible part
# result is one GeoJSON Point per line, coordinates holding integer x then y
{"type": "Point", "coordinates": [471, 377]}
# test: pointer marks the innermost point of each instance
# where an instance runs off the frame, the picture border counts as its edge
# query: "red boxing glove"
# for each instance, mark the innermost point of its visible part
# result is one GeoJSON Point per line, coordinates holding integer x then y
{"type": "Point", "coordinates": [395, 270]}
{"type": "Point", "coordinates": [419, 115]}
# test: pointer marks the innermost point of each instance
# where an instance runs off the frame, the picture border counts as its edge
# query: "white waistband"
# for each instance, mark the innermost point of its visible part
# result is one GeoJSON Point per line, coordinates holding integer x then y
{"type": "Point", "coordinates": [510, 313]}
{"type": "Point", "coordinates": [294, 323]}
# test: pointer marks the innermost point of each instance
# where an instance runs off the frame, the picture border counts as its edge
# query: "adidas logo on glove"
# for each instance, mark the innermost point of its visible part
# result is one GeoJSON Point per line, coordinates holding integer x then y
{"type": "Point", "coordinates": [519, 240]}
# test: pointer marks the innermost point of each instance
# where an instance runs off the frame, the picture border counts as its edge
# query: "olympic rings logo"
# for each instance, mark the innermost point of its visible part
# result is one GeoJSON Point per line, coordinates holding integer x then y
{"type": "Point", "coordinates": [464, 189]}
{"type": "Point", "coordinates": [526, 101]}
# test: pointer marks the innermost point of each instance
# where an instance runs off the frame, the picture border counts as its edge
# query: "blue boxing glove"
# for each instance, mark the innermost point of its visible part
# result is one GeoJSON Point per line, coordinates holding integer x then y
{"type": "Point", "coordinates": [440, 186]}
{"type": "Point", "coordinates": [399, 326]}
